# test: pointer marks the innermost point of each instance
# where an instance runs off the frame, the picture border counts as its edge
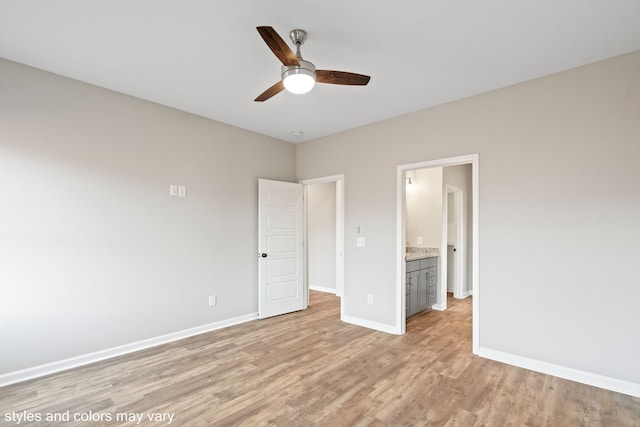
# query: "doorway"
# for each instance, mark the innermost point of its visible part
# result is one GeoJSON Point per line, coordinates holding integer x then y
{"type": "Point", "coordinates": [403, 172]}
{"type": "Point", "coordinates": [324, 214]}
{"type": "Point", "coordinates": [454, 228]}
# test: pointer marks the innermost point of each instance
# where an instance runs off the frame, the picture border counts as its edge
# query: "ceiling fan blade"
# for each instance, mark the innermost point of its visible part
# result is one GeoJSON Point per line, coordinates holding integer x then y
{"type": "Point", "coordinates": [341, 78]}
{"type": "Point", "coordinates": [278, 46]}
{"type": "Point", "coordinates": [273, 90]}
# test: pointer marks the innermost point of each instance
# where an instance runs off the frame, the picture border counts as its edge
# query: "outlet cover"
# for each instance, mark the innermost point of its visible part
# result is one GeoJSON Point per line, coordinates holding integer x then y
{"type": "Point", "coordinates": [369, 298]}
{"type": "Point", "coordinates": [213, 300]}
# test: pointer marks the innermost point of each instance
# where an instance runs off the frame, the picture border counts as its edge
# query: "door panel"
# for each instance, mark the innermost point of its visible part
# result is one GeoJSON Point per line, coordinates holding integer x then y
{"type": "Point", "coordinates": [282, 220]}
{"type": "Point", "coordinates": [282, 267]}
{"type": "Point", "coordinates": [282, 244]}
{"type": "Point", "coordinates": [281, 284]}
{"type": "Point", "coordinates": [283, 291]}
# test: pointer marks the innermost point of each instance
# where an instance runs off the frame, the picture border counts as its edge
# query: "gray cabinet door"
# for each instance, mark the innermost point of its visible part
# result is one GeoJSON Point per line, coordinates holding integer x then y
{"type": "Point", "coordinates": [432, 282]}
{"type": "Point", "coordinates": [413, 279]}
{"type": "Point", "coordinates": [421, 285]}
{"type": "Point", "coordinates": [423, 298]}
{"type": "Point", "coordinates": [433, 295]}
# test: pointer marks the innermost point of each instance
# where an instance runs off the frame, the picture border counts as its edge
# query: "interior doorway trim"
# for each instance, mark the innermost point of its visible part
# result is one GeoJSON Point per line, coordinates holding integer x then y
{"type": "Point", "coordinates": [339, 180]}
{"type": "Point", "coordinates": [401, 247]}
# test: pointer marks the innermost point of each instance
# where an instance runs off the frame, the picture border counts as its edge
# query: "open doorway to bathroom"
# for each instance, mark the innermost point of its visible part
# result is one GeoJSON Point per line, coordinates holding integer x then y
{"type": "Point", "coordinates": [437, 225]}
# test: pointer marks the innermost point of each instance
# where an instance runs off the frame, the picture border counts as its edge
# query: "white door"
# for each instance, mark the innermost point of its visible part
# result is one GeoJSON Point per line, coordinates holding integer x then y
{"type": "Point", "coordinates": [281, 287]}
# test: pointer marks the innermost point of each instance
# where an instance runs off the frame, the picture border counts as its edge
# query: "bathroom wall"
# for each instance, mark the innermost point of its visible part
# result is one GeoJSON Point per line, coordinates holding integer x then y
{"type": "Point", "coordinates": [424, 208]}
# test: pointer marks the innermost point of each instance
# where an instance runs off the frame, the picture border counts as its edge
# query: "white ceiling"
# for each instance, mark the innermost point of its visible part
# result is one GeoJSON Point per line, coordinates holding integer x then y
{"type": "Point", "coordinates": [206, 57]}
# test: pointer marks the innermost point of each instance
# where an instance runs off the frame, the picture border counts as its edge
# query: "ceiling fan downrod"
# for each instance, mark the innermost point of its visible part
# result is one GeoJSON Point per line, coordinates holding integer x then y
{"type": "Point", "coordinates": [298, 37]}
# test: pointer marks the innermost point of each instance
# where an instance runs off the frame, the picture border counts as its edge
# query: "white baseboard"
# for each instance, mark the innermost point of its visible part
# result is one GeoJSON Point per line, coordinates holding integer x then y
{"type": "Point", "coordinates": [463, 295]}
{"type": "Point", "coordinates": [583, 377]}
{"type": "Point", "coordinates": [382, 327]}
{"type": "Point", "coordinates": [322, 289]}
{"type": "Point", "coordinates": [85, 359]}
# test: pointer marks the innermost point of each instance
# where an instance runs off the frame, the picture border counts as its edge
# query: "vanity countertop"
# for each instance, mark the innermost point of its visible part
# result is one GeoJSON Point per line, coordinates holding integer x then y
{"type": "Point", "coordinates": [414, 253]}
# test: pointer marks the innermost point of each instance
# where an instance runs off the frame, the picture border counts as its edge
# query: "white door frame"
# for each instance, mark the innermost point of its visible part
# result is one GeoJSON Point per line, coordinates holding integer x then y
{"type": "Point", "coordinates": [401, 246]}
{"type": "Point", "coordinates": [339, 180]}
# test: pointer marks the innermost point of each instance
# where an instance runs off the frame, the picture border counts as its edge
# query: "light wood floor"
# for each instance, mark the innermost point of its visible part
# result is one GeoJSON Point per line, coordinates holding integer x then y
{"type": "Point", "coordinates": [310, 369]}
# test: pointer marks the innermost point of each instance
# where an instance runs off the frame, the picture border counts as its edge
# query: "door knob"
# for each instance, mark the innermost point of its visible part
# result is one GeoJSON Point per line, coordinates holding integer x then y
{"type": "Point", "coordinates": [263, 255]}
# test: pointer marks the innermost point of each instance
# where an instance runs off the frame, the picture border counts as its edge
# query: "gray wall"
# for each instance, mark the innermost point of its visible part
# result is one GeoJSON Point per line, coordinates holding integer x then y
{"type": "Point", "coordinates": [93, 252]}
{"type": "Point", "coordinates": [559, 209]}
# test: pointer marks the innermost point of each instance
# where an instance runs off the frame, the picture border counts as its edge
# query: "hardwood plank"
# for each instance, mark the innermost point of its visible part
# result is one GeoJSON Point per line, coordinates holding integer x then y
{"type": "Point", "coordinates": [309, 368]}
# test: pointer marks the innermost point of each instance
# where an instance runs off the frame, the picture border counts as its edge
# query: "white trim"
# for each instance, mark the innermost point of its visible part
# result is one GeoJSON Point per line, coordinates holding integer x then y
{"type": "Point", "coordinates": [340, 236]}
{"type": "Point", "coordinates": [382, 327]}
{"type": "Point", "coordinates": [571, 374]}
{"type": "Point", "coordinates": [322, 289]}
{"type": "Point", "coordinates": [85, 359]}
{"type": "Point", "coordinates": [475, 257]}
{"type": "Point", "coordinates": [401, 247]}
{"type": "Point", "coordinates": [473, 159]}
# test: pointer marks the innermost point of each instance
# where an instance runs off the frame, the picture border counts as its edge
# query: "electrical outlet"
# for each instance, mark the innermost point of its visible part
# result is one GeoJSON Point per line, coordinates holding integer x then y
{"type": "Point", "coordinates": [213, 300]}
{"type": "Point", "coordinates": [182, 191]}
{"type": "Point", "coordinates": [173, 190]}
{"type": "Point", "coordinates": [369, 298]}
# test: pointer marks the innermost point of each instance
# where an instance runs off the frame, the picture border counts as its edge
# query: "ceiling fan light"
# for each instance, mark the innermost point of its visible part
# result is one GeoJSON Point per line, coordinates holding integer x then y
{"type": "Point", "coordinates": [299, 79]}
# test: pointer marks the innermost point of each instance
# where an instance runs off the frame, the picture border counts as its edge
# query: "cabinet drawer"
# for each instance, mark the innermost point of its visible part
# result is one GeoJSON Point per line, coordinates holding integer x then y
{"type": "Point", "coordinates": [429, 262]}
{"type": "Point", "coordinates": [413, 265]}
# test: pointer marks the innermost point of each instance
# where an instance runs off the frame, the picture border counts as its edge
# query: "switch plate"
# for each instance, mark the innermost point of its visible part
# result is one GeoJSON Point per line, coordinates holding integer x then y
{"type": "Point", "coordinates": [360, 242]}
{"type": "Point", "coordinates": [182, 191]}
{"type": "Point", "coordinates": [419, 242]}
{"type": "Point", "coordinates": [173, 190]}
{"type": "Point", "coordinates": [369, 298]}
{"type": "Point", "coordinates": [213, 300]}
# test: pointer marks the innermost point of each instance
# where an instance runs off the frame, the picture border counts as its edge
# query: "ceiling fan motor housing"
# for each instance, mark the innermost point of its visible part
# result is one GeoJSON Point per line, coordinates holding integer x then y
{"type": "Point", "coordinates": [299, 78]}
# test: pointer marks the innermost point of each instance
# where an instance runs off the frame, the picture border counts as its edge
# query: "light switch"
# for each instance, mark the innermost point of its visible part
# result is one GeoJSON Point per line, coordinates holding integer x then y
{"type": "Point", "coordinates": [360, 242]}
{"type": "Point", "coordinates": [182, 191]}
{"type": "Point", "coordinates": [419, 240]}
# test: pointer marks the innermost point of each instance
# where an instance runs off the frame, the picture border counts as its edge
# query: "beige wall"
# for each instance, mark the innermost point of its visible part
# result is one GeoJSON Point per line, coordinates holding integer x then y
{"type": "Point", "coordinates": [94, 253]}
{"type": "Point", "coordinates": [558, 233]}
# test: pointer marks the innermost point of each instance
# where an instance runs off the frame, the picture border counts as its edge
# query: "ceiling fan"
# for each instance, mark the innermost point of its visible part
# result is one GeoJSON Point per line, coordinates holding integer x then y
{"type": "Point", "coordinates": [298, 75]}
